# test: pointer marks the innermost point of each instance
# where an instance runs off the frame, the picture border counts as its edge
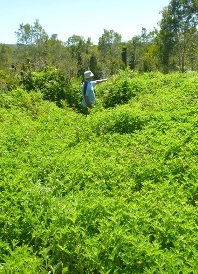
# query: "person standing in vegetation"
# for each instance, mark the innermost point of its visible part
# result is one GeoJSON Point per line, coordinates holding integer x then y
{"type": "Point", "coordinates": [88, 92]}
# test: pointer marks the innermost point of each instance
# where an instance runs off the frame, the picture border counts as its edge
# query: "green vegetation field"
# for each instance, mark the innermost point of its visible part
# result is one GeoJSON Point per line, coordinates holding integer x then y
{"type": "Point", "coordinates": [112, 192]}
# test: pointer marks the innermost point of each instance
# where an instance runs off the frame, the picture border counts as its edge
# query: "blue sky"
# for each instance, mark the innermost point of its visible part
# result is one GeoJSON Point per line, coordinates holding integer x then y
{"type": "Point", "coordinates": [87, 18]}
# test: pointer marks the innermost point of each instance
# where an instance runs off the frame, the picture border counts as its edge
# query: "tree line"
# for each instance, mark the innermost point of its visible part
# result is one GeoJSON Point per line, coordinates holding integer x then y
{"type": "Point", "coordinates": [171, 47]}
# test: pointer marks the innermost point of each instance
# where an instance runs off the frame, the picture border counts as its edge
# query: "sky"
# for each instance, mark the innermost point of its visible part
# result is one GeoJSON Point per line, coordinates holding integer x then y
{"type": "Point", "coordinates": [86, 18]}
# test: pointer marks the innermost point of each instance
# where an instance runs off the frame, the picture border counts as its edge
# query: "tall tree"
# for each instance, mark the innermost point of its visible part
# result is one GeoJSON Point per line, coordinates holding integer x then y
{"type": "Point", "coordinates": [55, 51]}
{"type": "Point", "coordinates": [79, 50]}
{"type": "Point", "coordinates": [143, 51]}
{"type": "Point", "coordinates": [33, 39]}
{"type": "Point", "coordinates": [177, 27]}
{"type": "Point", "coordinates": [28, 35]}
{"type": "Point", "coordinates": [110, 48]}
{"type": "Point", "coordinates": [192, 53]}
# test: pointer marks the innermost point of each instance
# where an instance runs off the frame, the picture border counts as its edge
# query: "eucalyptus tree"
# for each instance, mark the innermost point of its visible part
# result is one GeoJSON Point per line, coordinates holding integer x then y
{"type": "Point", "coordinates": [151, 56]}
{"type": "Point", "coordinates": [178, 29]}
{"type": "Point", "coordinates": [32, 42]}
{"type": "Point", "coordinates": [57, 54]}
{"type": "Point", "coordinates": [143, 52]}
{"type": "Point", "coordinates": [79, 51]}
{"type": "Point", "coordinates": [192, 53]}
{"type": "Point", "coordinates": [110, 48]}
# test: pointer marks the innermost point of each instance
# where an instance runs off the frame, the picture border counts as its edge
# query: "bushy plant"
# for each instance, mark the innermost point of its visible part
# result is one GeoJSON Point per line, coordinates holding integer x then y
{"type": "Point", "coordinates": [120, 120]}
{"type": "Point", "coordinates": [113, 192]}
{"type": "Point", "coordinates": [55, 87]}
{"type": "Point", "coordinates": [116, 91]}
{"type": "Point", "coordinates": [9, 80]}
{"type": "Point", "coordinates": [123, 87]}
{"type": "Point", "coordinates": [51, 83]}
{"type": "Point", "coordinates": [73, 94]}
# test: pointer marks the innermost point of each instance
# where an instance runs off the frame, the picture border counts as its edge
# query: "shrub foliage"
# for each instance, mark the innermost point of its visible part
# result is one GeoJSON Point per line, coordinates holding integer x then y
{"type": "Point", "coordinates": [113, 192]}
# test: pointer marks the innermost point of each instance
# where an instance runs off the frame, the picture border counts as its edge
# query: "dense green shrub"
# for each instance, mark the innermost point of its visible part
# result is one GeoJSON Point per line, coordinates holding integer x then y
{"type": "Point", "coordinates": [118, 120]}
{"type": "Point", "coordinates": [73, 94]}
{"type": "Point", "coordinates": [118, 90]}
{"type": "Point", "coordinates": [54, 87]}
{"type": "Point", "coordinates": [112, 192]}
{"type": "Point", "coordinates": [9, 80]}
{"type": "Point", "coordinates": [51, 83]}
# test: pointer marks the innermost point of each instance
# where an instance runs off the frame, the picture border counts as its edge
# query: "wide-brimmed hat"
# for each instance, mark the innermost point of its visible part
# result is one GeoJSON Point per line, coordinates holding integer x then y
{"type": "Point", "coordinates": [88, 74]}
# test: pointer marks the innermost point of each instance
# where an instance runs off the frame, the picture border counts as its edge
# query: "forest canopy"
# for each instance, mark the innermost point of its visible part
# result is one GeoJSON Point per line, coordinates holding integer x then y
{"type": "Point", "coordinates": [172, 46]}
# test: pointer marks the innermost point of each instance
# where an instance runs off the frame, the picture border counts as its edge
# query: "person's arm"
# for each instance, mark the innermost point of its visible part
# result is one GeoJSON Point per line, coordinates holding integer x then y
{"type": "Point", "coordinates": [101, 81]}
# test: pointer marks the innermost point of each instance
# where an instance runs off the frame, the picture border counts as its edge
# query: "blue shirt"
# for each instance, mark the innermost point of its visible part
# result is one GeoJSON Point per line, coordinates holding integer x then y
{"type": "Point", "coordinates": [89, 92]}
